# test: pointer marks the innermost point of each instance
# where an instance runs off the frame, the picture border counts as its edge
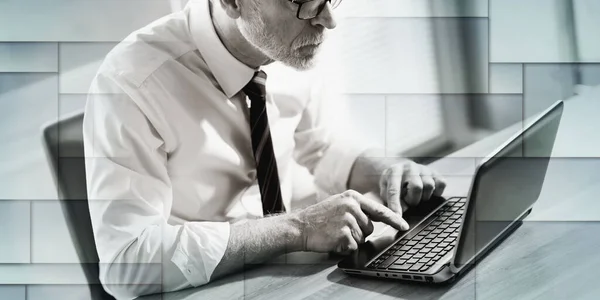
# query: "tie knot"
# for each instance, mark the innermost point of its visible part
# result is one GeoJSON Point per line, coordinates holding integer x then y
{"type": "Point", "coordinates": [256, 86]}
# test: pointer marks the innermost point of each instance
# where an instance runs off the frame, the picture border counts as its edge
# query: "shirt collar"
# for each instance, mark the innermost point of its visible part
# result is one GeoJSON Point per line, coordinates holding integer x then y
{"type": "Point", "coordinates": [231, 74]}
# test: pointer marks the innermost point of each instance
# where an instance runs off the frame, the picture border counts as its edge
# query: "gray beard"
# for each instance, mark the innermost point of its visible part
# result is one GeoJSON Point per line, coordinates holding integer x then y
{"type": "Point", "coordinates": [256, 32]}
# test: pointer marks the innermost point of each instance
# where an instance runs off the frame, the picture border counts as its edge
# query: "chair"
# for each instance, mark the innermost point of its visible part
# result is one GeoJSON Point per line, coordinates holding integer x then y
{"type": "Point", "coordinates": [64, 149]}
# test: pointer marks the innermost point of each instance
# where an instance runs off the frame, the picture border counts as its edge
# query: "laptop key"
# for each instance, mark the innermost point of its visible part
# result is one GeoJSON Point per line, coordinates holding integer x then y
{"type": "Point", "coordinates": [402, 267]}
{"type": "Point", "coordinates": [388, 262]}
{"type": "Point", "coordinates": [437, 240]}
{"type": "Point", "coordinates": [415, 267]}
{"type": "Point", "coordinates": [405, 248]}
{"type": "Point", "coordinates": [411, 261]}
{"type": "Point", "coordinates": [418, 255]}
{"type": "Point", "coordinates": [411, 243]}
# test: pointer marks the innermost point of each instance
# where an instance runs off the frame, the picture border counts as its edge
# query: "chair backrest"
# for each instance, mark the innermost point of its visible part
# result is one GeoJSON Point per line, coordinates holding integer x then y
{"type": "Point", "coordinates": [64, 149]}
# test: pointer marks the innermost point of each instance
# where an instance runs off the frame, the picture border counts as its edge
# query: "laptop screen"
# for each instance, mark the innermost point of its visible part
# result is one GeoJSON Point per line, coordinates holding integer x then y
{"type": "Point", "coordinates": [506, 186]}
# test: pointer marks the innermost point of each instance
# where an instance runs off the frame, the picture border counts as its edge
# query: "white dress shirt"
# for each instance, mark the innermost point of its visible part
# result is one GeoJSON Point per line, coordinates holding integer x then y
{"type": "Point", "coordinates": [169, 162]}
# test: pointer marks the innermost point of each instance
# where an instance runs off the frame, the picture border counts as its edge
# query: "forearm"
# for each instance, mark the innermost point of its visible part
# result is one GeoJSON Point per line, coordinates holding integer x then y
{"type": "Point", "coordinates": [254, 241]}
{"type": "Point", "coordinates": [367, 170]}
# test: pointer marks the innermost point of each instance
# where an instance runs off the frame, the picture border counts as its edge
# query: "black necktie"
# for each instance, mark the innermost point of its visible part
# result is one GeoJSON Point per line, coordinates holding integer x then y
{"type": "Point", "coordinates": [262, 146]}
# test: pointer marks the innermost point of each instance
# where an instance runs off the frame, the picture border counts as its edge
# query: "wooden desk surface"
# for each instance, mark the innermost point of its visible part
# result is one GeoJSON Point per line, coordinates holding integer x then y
{"type": "Point", "coordinates": [555, 254]}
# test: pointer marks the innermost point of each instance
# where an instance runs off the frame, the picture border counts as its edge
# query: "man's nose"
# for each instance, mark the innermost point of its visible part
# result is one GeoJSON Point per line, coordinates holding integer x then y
{"type": "Point", "coordinates": [325, 18]}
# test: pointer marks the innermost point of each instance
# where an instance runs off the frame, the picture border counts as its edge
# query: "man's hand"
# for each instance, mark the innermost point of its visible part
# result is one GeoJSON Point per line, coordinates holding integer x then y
{"type": "Point", "coordinates": [407, 184]}
{"type": "Point", "coordinates": [341, 222]}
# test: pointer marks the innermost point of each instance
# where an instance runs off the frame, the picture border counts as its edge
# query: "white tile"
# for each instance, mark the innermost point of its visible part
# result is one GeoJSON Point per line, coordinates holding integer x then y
{"type": "Point", "coordinates": [413, 8]}
{"type": "Point", "coordinates": [82, 20]}
{"type": "Point", "coordinates": [374, 55]}
{"type": "Point", "coordinates": [14, 231]}
{"type": "Point", "coordinates": [366, 118]}
{"type": "Point", "coordinates": [529, 31]}
{"type": "Point", "coordinates": [50, 238]}
{"type": "Point", "coordinates": [506, 78]}
{"type": "Point", "coordinates": [12, 292]}
{"type": "Point", "coordinates": [79, 63]}
{"type": "Point", "coordinates": [28, 57]}
{"type": "Point", "coordinates": [71, 103]}
{"type": "Point", "coordinates": [398, 56]}
{"type": "Point", "coordinates": [412, 120]}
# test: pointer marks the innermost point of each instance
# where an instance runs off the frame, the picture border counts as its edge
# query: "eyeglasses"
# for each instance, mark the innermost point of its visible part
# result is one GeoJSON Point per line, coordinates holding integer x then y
{"type": "Point", "coordinates": [308, 9]}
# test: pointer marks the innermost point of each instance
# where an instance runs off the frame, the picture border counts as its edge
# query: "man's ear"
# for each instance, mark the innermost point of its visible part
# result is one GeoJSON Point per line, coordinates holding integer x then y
{"type": "Point", "coordinates": [231, 7]}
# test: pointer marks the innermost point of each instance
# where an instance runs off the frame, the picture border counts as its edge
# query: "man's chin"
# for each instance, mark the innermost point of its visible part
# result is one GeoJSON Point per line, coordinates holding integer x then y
{"type": "Point", "coordinates": [301, 64]}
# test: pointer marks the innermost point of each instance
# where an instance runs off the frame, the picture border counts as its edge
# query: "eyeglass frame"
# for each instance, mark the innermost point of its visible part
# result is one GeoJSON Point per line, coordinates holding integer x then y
{"type": "Point", "coordinates": [302, 3]}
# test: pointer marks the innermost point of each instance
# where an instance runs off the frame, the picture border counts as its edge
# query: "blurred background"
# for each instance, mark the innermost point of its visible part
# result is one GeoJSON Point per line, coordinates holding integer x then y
{"type": "Point", "coordinates": [421, 78]}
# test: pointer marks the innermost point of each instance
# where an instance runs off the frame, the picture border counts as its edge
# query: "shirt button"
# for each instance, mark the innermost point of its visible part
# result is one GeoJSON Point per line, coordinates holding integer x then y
{"type": "Point", "coordinates": [252, 175]}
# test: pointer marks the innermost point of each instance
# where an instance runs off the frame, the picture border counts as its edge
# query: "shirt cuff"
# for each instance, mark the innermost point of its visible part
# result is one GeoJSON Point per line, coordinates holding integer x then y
{"type": "Point", "coordinates": [333, 171]}
{"type": "Point", "coordinates": [201, 247]}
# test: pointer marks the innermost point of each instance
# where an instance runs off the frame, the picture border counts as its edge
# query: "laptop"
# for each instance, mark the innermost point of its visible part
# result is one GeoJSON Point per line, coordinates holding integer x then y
{"type": "Point", "coordinates": [448, 236]}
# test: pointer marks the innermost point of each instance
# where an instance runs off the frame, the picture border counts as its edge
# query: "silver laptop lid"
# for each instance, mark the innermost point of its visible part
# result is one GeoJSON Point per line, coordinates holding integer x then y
{"type": "Point", "coordinates": [505, 186]}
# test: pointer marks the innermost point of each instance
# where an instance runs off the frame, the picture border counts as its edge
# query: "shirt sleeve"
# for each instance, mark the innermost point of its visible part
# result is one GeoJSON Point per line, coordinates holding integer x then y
{"type": "Point", "coordinates": [322, 145]}
{"type": "Point", "coordinates": [130, 199]}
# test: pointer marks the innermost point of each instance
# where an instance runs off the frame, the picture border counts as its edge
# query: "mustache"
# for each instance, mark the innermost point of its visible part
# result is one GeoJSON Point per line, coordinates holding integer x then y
{"type": "Point", "coordinates": [311, 40]}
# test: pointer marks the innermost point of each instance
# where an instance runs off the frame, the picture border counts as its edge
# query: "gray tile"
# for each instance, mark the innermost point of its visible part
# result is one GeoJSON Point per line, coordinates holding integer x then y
{"type": "Point", "coordinates": [506, 78]}
{"type": "Point", "coordinates": [58, 292]}
{"type": "Point", "coordinates": [545, 84]}
{"type": "Point", "coordinates": [529, 31]}
{"type": "Point", "coordinates": [587, 26]}
{"type": "Point", "coordinates": [461, 55]}
{"type": "Point", "coordinates": [496, 112]}
{"type": "Point", "coordinates": [14, 231]}
{"type": "Point", "coordinates": [28, 57]}
{"type": "Point", "coordinates": [590, 74]}
{"type": "Point", "coordinates": [12, 292]}
{"type": "Point", "coordinates": [79, 63]}
{"type": "Point", "coordinates": [50, 238]}
{"type": "Point", "coordinates": [42, 274]}
{"type": "Point", "coordinates": [82, 20]}
{"type": "Point", "coordinates": [413, 8]}
{"type": "Point", "coordinates": [28, 101]}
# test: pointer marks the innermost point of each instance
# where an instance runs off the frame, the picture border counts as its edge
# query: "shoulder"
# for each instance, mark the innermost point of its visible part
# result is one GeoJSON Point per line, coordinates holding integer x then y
{"type": "Point", "coordinates": [144, 51]}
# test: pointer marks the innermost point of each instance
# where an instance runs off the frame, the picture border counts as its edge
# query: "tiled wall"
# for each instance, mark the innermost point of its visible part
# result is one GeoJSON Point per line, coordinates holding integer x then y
{"type": "Point", "coordinates": [49, 51]}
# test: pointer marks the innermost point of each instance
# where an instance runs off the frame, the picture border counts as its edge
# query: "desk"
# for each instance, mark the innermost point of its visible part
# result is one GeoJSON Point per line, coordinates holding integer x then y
{"type": "Point", "coordinates": [554, 255]}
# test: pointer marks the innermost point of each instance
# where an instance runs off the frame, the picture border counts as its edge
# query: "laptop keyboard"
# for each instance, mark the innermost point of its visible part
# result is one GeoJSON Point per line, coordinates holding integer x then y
{"type": "Point", "coordinates": [426, 247]}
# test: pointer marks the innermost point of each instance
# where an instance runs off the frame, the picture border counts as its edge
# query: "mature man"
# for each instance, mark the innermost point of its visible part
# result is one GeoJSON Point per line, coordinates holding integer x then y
{"type": "Point", "coordinates": [188, 156]}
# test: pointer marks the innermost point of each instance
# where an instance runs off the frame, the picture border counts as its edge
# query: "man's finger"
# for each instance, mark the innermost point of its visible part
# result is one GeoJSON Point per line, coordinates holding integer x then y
{"type": "Point", "coordinates": [412, 177]}
{"type": "Point", "coordinates": [440, 184]}
{"type": "Point", "coordinates": [356, 231]}
{"type": "Point", "coordinates": [428, 183]}
{"type": "Point", "coordinates": [363, 221]}
{"type": "Point", "coordinates": [394, 189]}
{"type": "Point", "coordinates": [380, 213]}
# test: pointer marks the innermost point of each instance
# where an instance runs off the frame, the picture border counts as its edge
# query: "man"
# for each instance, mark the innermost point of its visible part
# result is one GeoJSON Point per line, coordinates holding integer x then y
{"type": "Point", "coordinates": [188, 178]}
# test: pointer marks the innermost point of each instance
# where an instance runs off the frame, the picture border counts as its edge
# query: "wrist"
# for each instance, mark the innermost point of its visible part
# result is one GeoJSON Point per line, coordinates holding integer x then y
{"type": "Point", "coordinates": [294, 224]}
